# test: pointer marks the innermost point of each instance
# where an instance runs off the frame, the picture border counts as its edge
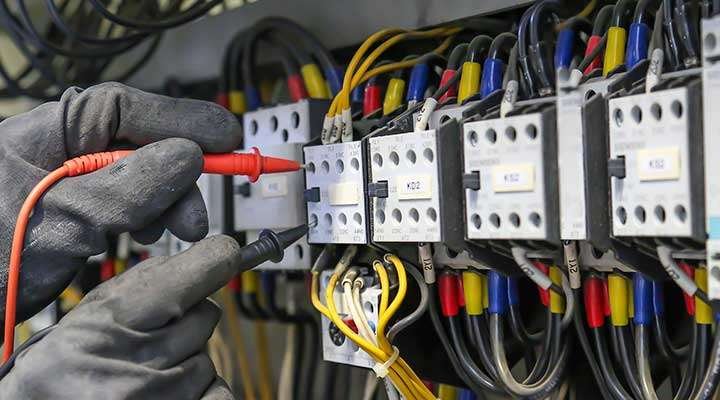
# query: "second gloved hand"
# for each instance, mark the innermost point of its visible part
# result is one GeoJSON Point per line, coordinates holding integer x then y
{"type": "Point", "coordinates": [140, 335]}
{"type": "Point", "coordinates": [144, 193]}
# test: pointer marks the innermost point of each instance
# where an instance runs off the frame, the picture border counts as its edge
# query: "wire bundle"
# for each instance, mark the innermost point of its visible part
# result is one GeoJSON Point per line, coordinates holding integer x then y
{"type": "Point", "coordinates": [310, 70]}
{"type": "Point", "coordinates": [82, 39]}
{"type": "Point", "coordinates": [375, 343]}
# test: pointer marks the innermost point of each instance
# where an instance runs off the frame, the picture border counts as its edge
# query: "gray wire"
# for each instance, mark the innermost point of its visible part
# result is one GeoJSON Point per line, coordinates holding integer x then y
{"type": "Point", "coordinates": [712, 374]}
{"type": "Point", "coordinates": [642, 357]}
{"type": "Point", "coordinates": [546, 384]}
{"type": "Point", "coordinates": [419, 311]}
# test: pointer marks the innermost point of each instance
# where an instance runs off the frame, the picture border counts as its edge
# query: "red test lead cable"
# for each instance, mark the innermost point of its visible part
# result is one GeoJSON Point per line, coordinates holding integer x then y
{"type": "Point", "coordinates": [252, 165]}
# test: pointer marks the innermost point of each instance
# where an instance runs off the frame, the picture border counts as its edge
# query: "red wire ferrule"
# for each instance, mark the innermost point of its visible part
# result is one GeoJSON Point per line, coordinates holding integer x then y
{"type": "Point", "coordinates": [447, 289]}
{"type": "Point", "coordinates": [597, 61]}
{"type": "Point", "coordinates": [594, 302]}
{"type": "Point", "coordinates": [451, 93]}
{"type": "Point", "coordinates": [223, 100]}
{"type": "Point", "coordinates": [296, 87]}
{"type": "Point", "coordinates": [543, 293]}
{"type": "Point", "coordinates": [689, 300]}
{"type": "Point", "coordinates": [372, 100]}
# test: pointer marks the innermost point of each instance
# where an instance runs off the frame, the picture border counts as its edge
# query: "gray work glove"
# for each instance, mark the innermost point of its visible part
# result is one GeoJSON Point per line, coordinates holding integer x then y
{"type": "Point", "coordinates": [140, 335]}
{"type": "Point", "coordinates": [148, 191]}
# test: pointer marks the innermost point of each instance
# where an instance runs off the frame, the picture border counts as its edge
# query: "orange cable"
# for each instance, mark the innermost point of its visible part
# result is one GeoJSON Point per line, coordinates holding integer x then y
{"type": "Point", "coordinates": [252, 165]}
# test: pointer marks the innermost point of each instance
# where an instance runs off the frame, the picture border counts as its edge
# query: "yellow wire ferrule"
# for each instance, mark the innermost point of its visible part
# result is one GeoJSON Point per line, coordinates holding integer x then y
{"type": "Point", "coordinates": [618, 295]}
{"type": "Point", "coordinates": [314, 81]}
{"type": "Point", "coordinates": [473, 290]}
{"type": "Point", "coordinates": [703, 312]}
{"type": "Point", "coordinates": [447, 392]}
{"type": "Point", "coordinates": [615, 49]}
{"type": "Point", "coordinates": [469, 80]}
{"type": "Point", "coordinates": [249, 282]}
{"type": "Point", "coordinates": [557, 301]}
{"type": "Point", "coordinates": [393, 95]}
{"type": "Point", "coordinates": [236, 98]}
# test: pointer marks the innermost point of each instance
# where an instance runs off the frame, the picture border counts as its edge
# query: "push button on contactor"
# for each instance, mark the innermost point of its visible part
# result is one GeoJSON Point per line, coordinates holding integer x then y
{"type": "Point", "coordinates": [312, 195]}
{"type": "Point", "coordinates": [471, 181]}
{"type": "Point", "coordinates": [616, 167]}
{"type": "Point", "coordinates": [378, 189]}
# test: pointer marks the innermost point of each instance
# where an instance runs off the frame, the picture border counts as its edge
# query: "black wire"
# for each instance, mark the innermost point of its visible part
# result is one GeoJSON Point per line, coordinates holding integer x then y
{"type": "Point", "coordinates": [622, 8]}
{"type": "Point", "coordinates": [670, 36]}
{"type": "Point", "coordinates": [543, 362]}
{"type": "Point", "coordinates": [521, 334]}
{"type": "Point", "coordinates": [602, 20]}
{"type": "Point", "coordinates": [481, 334]}
{"type": "Point", "coordinates": [712, 376]}
{"type": "Point", "coordinates": [606, 368]}
{"type": "Point", "coordinates": [686, 385]}
{"type": "Point", "coordinates": [662, 341]}
{"type": "Point", "coordinates": [195, 11]}
{"type": "Point", "coordinates": [593, 54]}
{"type": "Point", "coordinates": [57, 19]}
{"type": "Point", "coordinates": [478, 48]}
{"type": "Point", "coordinates": [626, 362]}
{"type": "Point", "coordinates": [473, 371]}
{"type": "Point", "coordinates": [456, 56]}
{"type": "Point", "coordinates": [502, 45]}
{"type": "Point", "coordinates": [701, 360]}
{"type": "Point", "coordinates": [641, 11]}
{"type": "Point", "coordinates": [445, 342]}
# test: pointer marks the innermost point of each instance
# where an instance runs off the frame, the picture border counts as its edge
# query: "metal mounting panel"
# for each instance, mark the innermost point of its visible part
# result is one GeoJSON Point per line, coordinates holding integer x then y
{"type": "Point", "coordinates": [338, 348]}
{"type": "Point", "coordinates": [408, 162]}
{"type": "Point", "coordinates": [516, 160]}
{"type": "Point", "coordinates": [337, 170]}
{"type": "Point", "coordinates": [660, 138]}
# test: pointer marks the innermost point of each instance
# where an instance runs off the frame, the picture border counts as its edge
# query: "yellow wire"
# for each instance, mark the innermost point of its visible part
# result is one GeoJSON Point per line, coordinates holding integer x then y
{"type": "Point", "coordinates": [391, 310]}
{"type": "Point", "coordinates": [368, 347]}
{"type": "Point", "coordinates": [349, 72]}
{"type": "Point", "coordinates": [264, 373]}
{"type": "Point", "coordinates": [231, 313]}
{"type": "Point", "coordinates": [397, 371]}
{"type": "Point", "coordinates": [384, 286]}
{"type": "Point", "coordinates": [584, 13]}
{"type": "Point", "coordinates": [342, 100]}
{"type": "Point", "coordinates": [373, 57]}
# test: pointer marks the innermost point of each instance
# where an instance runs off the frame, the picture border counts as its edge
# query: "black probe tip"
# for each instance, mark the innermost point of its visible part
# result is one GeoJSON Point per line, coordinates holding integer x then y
{"type": "Point", "coordinates": [269, 246]}
{"type": "Point", "coordinates": [282, 240]}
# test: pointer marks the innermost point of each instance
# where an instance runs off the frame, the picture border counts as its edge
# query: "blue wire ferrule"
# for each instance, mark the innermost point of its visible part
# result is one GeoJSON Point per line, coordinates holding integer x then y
{"type": "Point", "coordinates": [467, 394]}
{"type": "Point", "coordinates": [564, 48]}
{"type": "Point", "coordinates": [253, 98]}
{"type": "Point", "coordinates": [512, 292]}
{"type": "Point", "coordinates": [334, 78]}
{"type": "Point", "coordinates": [643, 299]}
{"type": "Point", "coordinates": [419, 76]}
{"type": "Point", "coordinates": [267, 280]}
{"type": "Point", "coordinates": [497, 293]}
{"type": "Point", "coordinates": [658, 296]}
{"type": "Point", "coordinates": [358, 94]}
{"type": "Point", "coordinates": [637, 44]}
{"type": "Point", "coordinates": [492, 76]}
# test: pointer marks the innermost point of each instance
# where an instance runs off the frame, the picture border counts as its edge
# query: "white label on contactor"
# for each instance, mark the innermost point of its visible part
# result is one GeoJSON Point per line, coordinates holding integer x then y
{"type": "Point", "coordinates": [513, 178]}
{"type": "Point", "coordinates": [414, 187]}
{"type": "Point", "coordinates": [274, 186]}
{"type": "Point", "coordinates": [343, 194]}
{"type": "Point", "coordinates": [658, 164]}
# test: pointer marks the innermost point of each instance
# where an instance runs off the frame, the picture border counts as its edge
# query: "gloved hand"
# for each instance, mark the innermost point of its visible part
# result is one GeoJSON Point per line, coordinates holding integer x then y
{"type": "Point", "coordinates": [140, 335]}
{"type": "Point", "coordinates": [148, 191]}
